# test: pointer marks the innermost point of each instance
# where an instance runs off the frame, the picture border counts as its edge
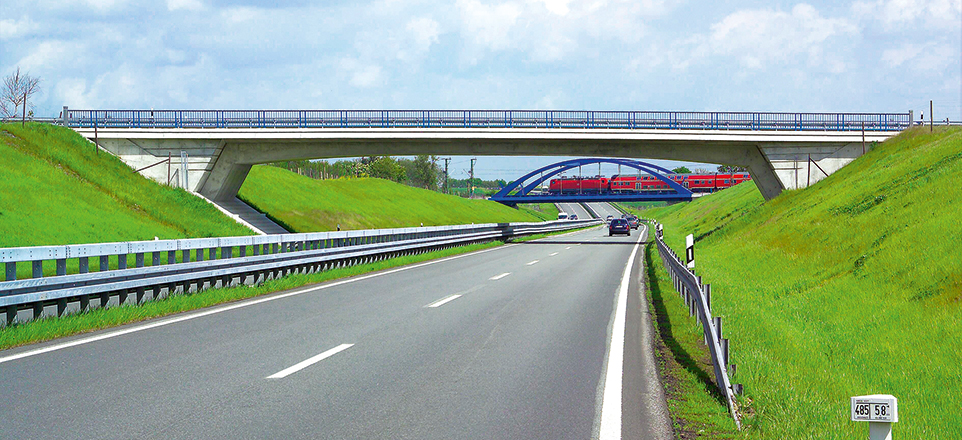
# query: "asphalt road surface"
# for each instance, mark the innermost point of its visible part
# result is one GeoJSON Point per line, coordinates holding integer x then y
{"type": "Point", "coordinates": [604, 209]}
{"type": "Point", "coordinates": [540, 340]}
{"type": "Point", "coordinates": [574, 208]}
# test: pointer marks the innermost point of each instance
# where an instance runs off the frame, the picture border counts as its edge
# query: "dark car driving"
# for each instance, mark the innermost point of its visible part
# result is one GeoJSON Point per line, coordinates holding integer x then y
{"type": "Point", "coordinates": [619, 226]}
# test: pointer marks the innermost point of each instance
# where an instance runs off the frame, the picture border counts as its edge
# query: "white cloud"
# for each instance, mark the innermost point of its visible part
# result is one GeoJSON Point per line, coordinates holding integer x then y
{"type": "Point", "coordinates": [48, 55]}
{"type": "Point", "coordinates": [361, 75]}
{"type": "Point", "coordinates": [489, 25]}
{"type": "Point", "coordinates": [930, 57]}
{"type": "Point", "coordinates": [73, 92]}
{"type": "Point", "coordinates": [189, 5]}
{"type": "Point", "coordinates": [893, 13]}
{"type": "Point", "coordinates": [10, 29]}
{"type": "Point", "coordinates": [559, 7]}
{"type": "Point", "coordinates": [425, 31]}
{"type": "Point", "coordinates": [761, 38]}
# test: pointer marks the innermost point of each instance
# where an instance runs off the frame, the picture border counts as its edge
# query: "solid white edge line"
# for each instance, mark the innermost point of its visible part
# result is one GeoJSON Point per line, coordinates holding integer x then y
{"type": "Point", "coordinates": [308, 362]}
{"type": "Point", "coordinates": [611, 401]}
{"type": "Point", "coordinates": [245, 303]}
{"type": "Point", "coordinates": [443, 301]}
{"type": "Point", "coordinates": [498, 277]}
{"type": "Point", "coordinates": [533, 262]}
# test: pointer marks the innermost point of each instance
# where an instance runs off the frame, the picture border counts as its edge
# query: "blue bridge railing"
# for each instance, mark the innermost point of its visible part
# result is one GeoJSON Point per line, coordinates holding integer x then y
{"type": "Point", "coordinates": [211, 119]}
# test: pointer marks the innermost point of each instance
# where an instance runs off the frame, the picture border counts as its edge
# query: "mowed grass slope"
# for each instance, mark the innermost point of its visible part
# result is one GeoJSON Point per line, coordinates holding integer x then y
{"type": "Point", "coordinates": [55, 189]}
{"type": "Point", "coordinates": [850, 287]}
{"type": "Point", "coordinates": [303, 204]}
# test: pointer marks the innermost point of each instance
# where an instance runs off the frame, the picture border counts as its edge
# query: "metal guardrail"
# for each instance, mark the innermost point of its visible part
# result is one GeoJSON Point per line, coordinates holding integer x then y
{"type": "Point", "coordinates": [212, 119]}
{"type": "Point", "coordinates": [193, 264]}
{"type": "Point", "coordinates": [698, 298]}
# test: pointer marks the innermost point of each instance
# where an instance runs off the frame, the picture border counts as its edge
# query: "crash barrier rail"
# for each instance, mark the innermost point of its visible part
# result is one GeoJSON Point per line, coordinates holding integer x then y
{"type": "Point", "coordinates": [166, 267]}
{"type": "Point", "coordinates": [213, 119]}
{"type": "Point", "coordinates": [698, 298]}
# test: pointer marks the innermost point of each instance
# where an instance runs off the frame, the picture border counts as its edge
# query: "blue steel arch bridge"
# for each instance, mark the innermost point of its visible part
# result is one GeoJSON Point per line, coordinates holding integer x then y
{"type": "Point", "coordinates": [524, 189]}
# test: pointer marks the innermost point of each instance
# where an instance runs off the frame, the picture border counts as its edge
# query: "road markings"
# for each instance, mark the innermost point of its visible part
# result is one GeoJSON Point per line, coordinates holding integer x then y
{"type": "Point", "coordinates": [443, 301]}
{"type": "Point", "coordinates": [556, 253]}
{"type": "Point", "coordinates": [611, 398]}
{"type": "Point", "coordinates": [307, 363]}
{"type": "Point", "coordinates": [533, 262]}
{"type": "Point", "coordinates": [498, 277]}
{"type": "Point", "coordinates": [238, 305]}
{"type": "Point", "coordinates": [569, 247]}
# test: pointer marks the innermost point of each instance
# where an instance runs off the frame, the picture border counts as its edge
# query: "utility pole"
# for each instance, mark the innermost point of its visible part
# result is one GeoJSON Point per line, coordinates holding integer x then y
{"type": "Point", "coordinates": [471, 179]}
{"type": "Point", "coordinates": [446, 160]}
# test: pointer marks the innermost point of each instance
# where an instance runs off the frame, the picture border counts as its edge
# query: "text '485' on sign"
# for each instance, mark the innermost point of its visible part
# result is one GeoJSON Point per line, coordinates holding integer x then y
{"type": "Point", "coordinates": [875, 408]}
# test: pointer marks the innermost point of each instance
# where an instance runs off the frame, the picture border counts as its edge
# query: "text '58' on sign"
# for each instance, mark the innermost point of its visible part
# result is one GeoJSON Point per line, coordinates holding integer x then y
{"type": "Point", "coordinates": [875, 408]}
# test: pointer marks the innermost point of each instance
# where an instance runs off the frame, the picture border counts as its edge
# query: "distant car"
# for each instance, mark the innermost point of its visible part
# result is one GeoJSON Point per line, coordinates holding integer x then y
{"type": "Point", "coordinates": [633, 222]}
{"type": "Point", "coordinates": [562, 216]}
{"type": "Point", "coordinates": [609, 218]}
{"type": "Point", "coordinates": [619, 226]}
{"type": "Point", "coordinates": [573, 217]}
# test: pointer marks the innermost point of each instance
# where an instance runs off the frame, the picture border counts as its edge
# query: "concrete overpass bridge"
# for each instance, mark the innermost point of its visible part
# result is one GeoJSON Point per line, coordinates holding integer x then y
{"type": "Point", "coordinates": [212, 151]}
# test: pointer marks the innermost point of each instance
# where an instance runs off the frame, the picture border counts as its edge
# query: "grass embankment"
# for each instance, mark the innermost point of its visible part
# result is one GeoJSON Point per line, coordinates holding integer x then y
{"type": "Point", "coordinates": [302, 204]}
{"type": "Point", "coordinates": [852, 286]}
{"type": "Point", "coordinates": [56, 189]}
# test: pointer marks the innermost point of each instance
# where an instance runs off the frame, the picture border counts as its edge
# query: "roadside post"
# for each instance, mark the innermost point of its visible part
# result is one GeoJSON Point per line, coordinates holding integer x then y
{"type": "Point", "coordinates": [690, 251]}
{"type": "Point", "coordinates": [880, 411]}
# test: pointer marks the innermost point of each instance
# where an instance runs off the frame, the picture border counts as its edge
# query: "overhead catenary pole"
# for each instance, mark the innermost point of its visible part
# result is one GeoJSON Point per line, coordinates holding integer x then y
{"type": "Point", "coordinates": [931, 117]}
{"type": "Point", "coordinates": [471, 179]}
{"type": "Point", "coordinates": [446, 161]}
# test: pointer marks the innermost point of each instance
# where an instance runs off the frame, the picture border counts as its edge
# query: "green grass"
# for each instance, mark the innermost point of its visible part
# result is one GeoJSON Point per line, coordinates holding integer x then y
{"type": "Point", "coordinates": [696, 407]}
{"type": "Point", "coordinates": [97, 319]}
{"type": "Point", "coordinates": [302, 204]}
{"type": "Point", "coordinates": [543, 211]}
{"type": "Point", "coordinates": [56, 189]}
{"type": "Point", "coordinates": [852, 286]}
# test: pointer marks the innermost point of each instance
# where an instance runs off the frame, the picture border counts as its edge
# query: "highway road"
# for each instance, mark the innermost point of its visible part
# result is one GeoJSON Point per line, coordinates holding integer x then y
{"type": "Point", "coordinates": [574, 208]}
{"type": "Point", "coordinates": [604, 209]}
{"type": "Point", "coordinates": [547, 339]}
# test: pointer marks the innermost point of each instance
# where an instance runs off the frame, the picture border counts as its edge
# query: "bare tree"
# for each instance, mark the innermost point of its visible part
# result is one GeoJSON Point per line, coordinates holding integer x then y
{"type": "Point", "coordinates": [17, 90]}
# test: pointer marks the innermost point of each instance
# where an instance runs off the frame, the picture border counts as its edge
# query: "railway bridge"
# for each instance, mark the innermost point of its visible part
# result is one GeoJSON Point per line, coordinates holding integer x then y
{"type": "Point", "coordinates": [211, 151]}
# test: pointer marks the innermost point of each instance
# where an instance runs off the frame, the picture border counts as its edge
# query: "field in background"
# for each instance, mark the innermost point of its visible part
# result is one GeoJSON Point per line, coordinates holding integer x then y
{"type": "Point", "coordinates": [302, 204]}
{"type": "Point", "coordinates": [852, 286]}
{"type": "Point", "coordinates": [57, 189]}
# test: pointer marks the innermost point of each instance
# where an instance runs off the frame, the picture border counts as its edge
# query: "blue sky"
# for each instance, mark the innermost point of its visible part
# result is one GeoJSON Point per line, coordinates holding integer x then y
{"type": "Point", "coordinates": [727, 55]}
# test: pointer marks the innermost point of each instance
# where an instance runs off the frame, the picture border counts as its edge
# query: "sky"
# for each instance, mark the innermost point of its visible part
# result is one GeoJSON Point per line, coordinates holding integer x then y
{"type": "Point", "coordinates": [724, 55]}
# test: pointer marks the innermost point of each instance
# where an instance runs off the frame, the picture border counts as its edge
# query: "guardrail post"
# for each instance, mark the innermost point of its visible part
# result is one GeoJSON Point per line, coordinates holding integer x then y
{"type": "Point", "coordinates": [155, 259]}
{"type": "Point", "coordinates": [61, 267]}
{"type": "Point", "coordinates": [84, 303]}
{"type": "Point", "coordinates": [104, 264]}
{"type": "Point", "coordinates": [38, 269]}
{"type": "Point", "coordinates": [61, 306]}
{"type": "Point", "coordinates": [37, 310]}
{"type": "Point", "coordinates": [707, 288]}
{"type": "Point", "coordinates": [11, 271]}
{"type": "Point", "coordinates": [11, 312]}
{"type": "Point", "coordinates": [139, 259]}
{"type": "Point", "coordinates": [121, 261]}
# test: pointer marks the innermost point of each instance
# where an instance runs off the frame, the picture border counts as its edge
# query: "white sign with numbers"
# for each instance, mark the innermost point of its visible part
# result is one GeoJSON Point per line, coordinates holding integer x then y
{"type": "Point", "coordinates": [875, 408]}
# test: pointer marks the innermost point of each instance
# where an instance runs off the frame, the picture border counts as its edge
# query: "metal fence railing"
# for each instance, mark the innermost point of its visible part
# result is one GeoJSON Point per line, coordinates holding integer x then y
{"type": "Point", "coordinates": [278, 119]}
{"type": "Point", "coordinates": [155, 269]}
{"type": "Point", "coordinates": [698, 298]}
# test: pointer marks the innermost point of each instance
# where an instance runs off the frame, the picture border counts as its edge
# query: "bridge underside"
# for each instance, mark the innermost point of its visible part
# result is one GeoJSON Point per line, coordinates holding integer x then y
{"type": "Point", "coordinates": [218, 161]}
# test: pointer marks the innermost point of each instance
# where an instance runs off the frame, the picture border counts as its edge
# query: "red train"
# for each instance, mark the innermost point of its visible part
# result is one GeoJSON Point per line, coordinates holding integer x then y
{"type": "Point", "coordinates": [633, 184]}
